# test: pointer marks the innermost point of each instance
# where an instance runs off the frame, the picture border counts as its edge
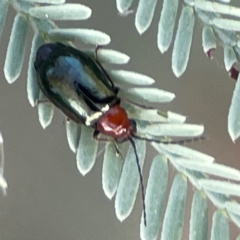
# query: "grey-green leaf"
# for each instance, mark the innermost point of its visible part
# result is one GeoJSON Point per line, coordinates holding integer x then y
{"type": "Point", "coordinates": [233, 207]}
{"type": "Point", "coordinates": [68, 11]}
{"type": "Point", "coordinates": [42, 25]}
{"type": "Point", "coordinates": [135, 112]}
{"type": "Point", "coordinates": [87, 150]}
{"type": "Point", "coordinates": [16, 48]}
{"type": "Point", "coordinates": [123, 5]}
{"type": "Point", "coordinates": [3, 15]}
{"type": "Point", "coordinates": [184, 151]}
{"type": "Point", "coordinates": [155, 195]}
{"type": "Point", "coordinates": [220, 227]}
{"type": "Point", "coordinates": [227, 24]}
{"type": "Point", "coordinates": [73, 131]}
{"type": "Point", "coordinates": [143, 95]}
{"type": "Point", "coordinates": [175, 117]}
{"type": "Point", "coordinates": [112, 167]}
{"type": "Point", "coordinates": [122, 76]}
{"type": "Point", "coordinates": [222, 187]}
{"type": "Point", "coordinates": [88, 36]}
{"type": "Point", "coordinates": [199, 217]}
{"type": "Point", "coordinates": [234, 113]}
{"type": "Point", "coordinates": [129, 181]}
{"type": "Point", "coordinates": [3, 182]}
{"type": "Point", "coordinates": [235, 218]}
{"type": "Point", "coordinates": [213, 169]}
{"type": "Point", "coordinates": [48, 1]}
{"type": "Point", "coordinates": [22, 6]}
{"type": "Point", "coordinates": [45, 111]}
{"type": "Point", "coordinates": [229, 57]}
{"type": "Point", "coordinates": [166, 24]}
{"type": "Point", "coordinates": [174, 215]}
{"type": "Point", "coordinates": [109, 56]}
{"type": "Point", "coordinates": [217, 8]}
{"type": "Point", "coordinates": [183, 41]}
{"type": "Point", "coordinates": [208, 40]}
{"type": "Point", "coordinates": [217, 199]}
{"type": "Point", "coordinates": [175, 130]}
{"type": "Point", "coordinates": [144, 14]}
{"type": "Point", "coordinates": [32, 86]}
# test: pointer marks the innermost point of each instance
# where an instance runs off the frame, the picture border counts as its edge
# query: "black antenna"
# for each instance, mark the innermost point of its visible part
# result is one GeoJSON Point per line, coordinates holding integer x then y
{"type": "Point", "coordinates": [141, 180]}
{"type": "Point", "coordinates": [180, 141]}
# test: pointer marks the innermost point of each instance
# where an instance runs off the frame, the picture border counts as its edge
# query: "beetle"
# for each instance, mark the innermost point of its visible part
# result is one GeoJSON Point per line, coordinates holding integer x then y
{"type": "Point", "coordinates": [81, 88]}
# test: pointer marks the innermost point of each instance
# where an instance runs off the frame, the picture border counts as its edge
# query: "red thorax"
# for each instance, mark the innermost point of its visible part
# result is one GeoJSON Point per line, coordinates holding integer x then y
{"type": "Point", "coordinates": [114, 123]}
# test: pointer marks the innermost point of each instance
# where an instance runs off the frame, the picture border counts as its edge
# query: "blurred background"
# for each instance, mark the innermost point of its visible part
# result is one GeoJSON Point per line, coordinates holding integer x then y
{"type": "Point", "coordinates": [47, 197]}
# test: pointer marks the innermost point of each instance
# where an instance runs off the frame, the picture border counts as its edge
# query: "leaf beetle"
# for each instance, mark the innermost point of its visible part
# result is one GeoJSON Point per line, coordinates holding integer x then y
{"type": "Point", "coordinates": [81, 88]}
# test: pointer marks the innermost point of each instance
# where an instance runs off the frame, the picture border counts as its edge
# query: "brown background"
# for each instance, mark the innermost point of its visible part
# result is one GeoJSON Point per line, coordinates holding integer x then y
{"type": "Point", "coordinates": [47, 196]}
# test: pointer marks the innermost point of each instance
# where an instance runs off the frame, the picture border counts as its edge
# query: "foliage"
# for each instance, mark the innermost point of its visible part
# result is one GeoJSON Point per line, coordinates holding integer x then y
{"type": "Point", "coordinates": [122, 178]}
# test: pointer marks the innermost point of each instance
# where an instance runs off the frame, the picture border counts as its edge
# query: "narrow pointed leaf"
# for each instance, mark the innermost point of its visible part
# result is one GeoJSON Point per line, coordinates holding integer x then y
{"type": "Point", "coordinates": [88, 36]}
{"type": "Point", "coordinates": [213, 169]}
{"type": "Point", "coordinates": [129, 181]}
{"type": "Point", "coordinates": [73, 131]}
{"type": "Point", "coordinates": [183, 151]}
{"type": "Point", "coordinates": [68, 11]}
{"type": "Point", "coordinates": [233, 207]}
{"type": "Point", "coordinates": [109, 56]}
{"type": "Point", "coordinates": [220, 227]}
{"type": "Point", "coordinates": [22, 6]}
{"type": "Point", "coordinates": [166, 24]}
{"type": "Point", "coordinates": [227, 24]}
{"type": "Point", "coordinates": [144, 114]}
{"type": "Point", "coordinates": [45, 111]}
{"type": "Point", "coordinates": [144, 14]}
{"type": "Point", "coordinates": [234, 113]}
{"type": "Point", "coordinates": [87, 150]}
{"type": "Point", "coordinates": [123, 5]}
{"type": "Point", "coordinates": [175, 130]}
{"type": "Point", "coordinates": [174, 215]}
{"type": "Point", "coordinates": [189, 2]}
{"type": "Point", "coordinates": [112, 167]}
{"type": "Point", "coordinates": [229, 58]}
{"type": "Point", "coordinates": [183, 41]}
{"type": "Point", "coordinates": [235, 218]}
{"type": "Point", "coordinates": [16, 49]}
{"type": "Point", "coordinates": [48, 1]}
{"type": "Point", "coordinates": [217, 199]}
{"type": "Point", "coordinates": [122, 76]}
{"type": "Point", "coordinates": [199, 217]}
{"type": "Point", "coordinates": [143, 95]}
{"type": "Point", "coordinates": [2, 157]}
{"type": "Point", "coordinates": [3, 182]}
{"type": "Point", "coordinates": [175, 117]}
{"type": "Point", "coordinates": [155, 195]}
{"type": "Point", "coordinates": [32, 85]}
{"type": "Point", "coordinates": [222, 187]}
{"type": "Point", "coordinates": [226, 37]}
{"type": "Point", "coordinates": [42, 25]}
{"type": "Point", "coordinates": [3, 15]}
{"type": "Point", "coordinates": [217, 8]}
{"type": "Point", "coordinates": [192, 176]}
{"type": "Point", "coordinates": [208, 40]}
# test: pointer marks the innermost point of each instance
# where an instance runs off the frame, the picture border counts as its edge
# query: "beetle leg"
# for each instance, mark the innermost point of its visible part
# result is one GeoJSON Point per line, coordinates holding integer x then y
{"type": "Point", "coordinates": [116, 89]}
{"type": "Point", "coordinates": [118, 153]}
